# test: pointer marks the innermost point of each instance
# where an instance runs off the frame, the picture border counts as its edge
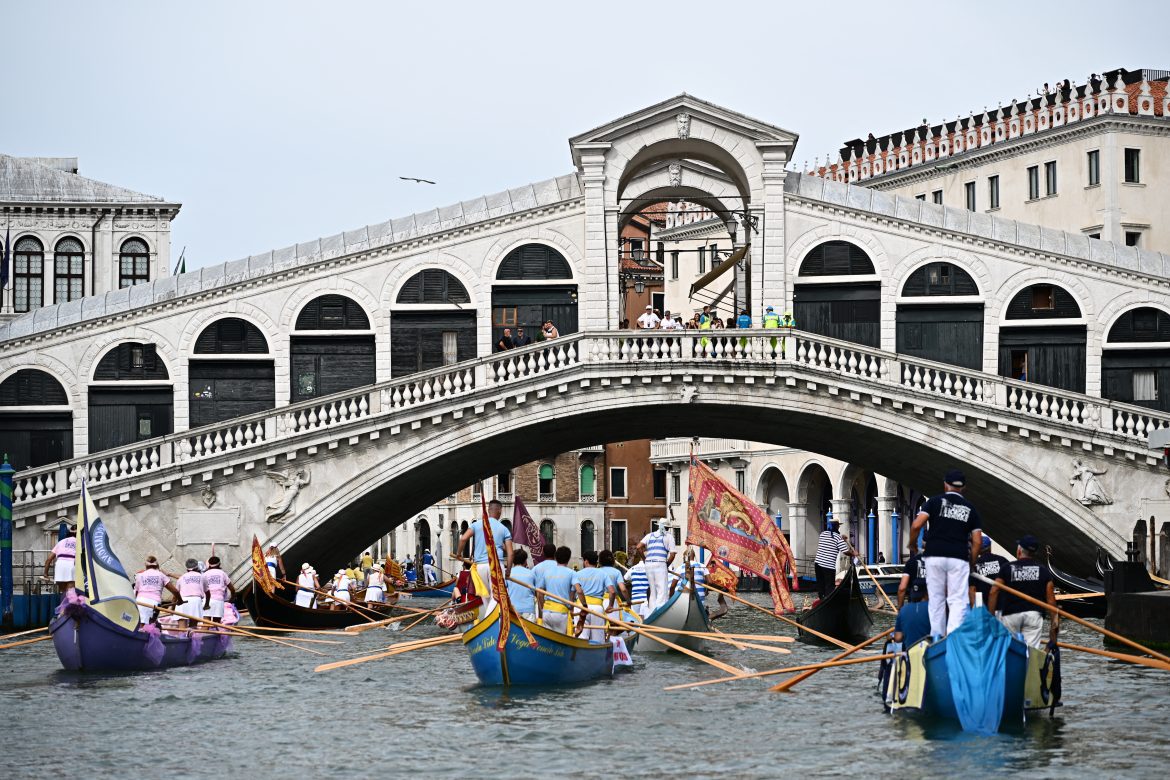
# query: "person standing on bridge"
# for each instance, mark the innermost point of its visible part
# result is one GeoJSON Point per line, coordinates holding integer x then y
{"type": "Point", "coordinates": [953, 541]}
{"type": "Point", "coordinates": [505, 341]}
{"type": "Point", "coordinates": [648, 320]}
{"type": "Point", "coordinates": [521, 339]}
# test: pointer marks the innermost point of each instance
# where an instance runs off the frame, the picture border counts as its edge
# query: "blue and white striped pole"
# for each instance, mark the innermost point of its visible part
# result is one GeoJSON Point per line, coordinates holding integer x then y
{"type": "Point", "coordinates": [6, 590]}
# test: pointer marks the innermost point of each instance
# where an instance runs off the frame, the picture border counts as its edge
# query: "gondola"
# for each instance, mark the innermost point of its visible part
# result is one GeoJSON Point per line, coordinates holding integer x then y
{"type": "Point", "coordinates": [1089, 607]}
{"type": "Point", "coordinates": [843, 614]}
{"type": "Point", "coordinates": [557, 659]}
{"type": "Point", "coordinates": [275, 611]}
{"type": "Point", "coordinates": [88, 641]}
{"type": "Point", "coordinates": [684, 611]}
{"type": "Point", "coordinates": [440, 590]}
{"type": "Point", "coordinates": [994, 692]}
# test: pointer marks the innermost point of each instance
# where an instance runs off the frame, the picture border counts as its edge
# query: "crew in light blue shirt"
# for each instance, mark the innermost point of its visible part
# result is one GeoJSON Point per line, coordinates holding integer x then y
{"type": "Point", "coordinates": [558, 581]}
{"type": "Point", "coordinates": [523, 599]}
{"type": "Point", "coordinates": [606, 563]}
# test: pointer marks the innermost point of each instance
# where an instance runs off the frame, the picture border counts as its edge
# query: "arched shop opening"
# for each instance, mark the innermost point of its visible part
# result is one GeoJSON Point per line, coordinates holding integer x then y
{"type": "Point", "coordinates": [534, 284]}
{"type": "Point", "coordinates": [231, 373]}
{"type": "Point", "coordinates": [1036, 344]}
{"type": "Point", "coordinates": [432, 324]}
{"type": "Point", "coordinates": [36, 423]}
{"type": "Point", "coordinates": [937, 318]}
{"type": "Point", "coordinates": [1135, 361]}
{"type": "Point", "coordinates": [130, 398]}
{"type": "Point", "coordinates": [332, 349]}
{"type": "Point", "coordinates": [838, 294]}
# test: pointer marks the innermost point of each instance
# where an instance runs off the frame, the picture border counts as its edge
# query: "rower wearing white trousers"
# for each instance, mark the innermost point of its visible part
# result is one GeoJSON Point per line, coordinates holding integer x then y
{"type": "Point", "coordinates": [191, 590]}
{"type": "Point", "coordinates": [375, 588]}
{"type": "Point", "coordinates": [503, 543]}
{"type": "Point", "coordinates": [306, 584]}
{"type": "Point", "coordinates": [953, 542]}
{"type": "Point", "coordinates": [657, 547]}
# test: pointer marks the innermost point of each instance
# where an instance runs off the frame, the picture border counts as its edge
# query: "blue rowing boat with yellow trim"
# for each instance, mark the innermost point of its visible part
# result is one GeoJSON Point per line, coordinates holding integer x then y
{"type": "Point", "coordinates": [556, 659]}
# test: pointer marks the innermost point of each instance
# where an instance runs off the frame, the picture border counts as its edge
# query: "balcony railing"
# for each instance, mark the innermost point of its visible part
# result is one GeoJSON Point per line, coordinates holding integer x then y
{"type": "Point", "coordinates": [547, 498]}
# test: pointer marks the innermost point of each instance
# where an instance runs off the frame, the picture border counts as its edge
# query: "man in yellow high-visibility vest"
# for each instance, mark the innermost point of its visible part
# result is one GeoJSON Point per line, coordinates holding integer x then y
{"type": "Point", "coordinates": [772, 320]}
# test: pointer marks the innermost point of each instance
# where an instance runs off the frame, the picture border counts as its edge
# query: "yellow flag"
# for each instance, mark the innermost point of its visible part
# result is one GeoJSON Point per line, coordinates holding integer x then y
{"type": "Point", "coordinates": [100, 575]}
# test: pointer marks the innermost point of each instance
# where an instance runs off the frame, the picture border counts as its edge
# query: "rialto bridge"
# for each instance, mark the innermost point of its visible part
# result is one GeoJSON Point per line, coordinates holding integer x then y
{"type": "Point", "coordinates": [324, 392]}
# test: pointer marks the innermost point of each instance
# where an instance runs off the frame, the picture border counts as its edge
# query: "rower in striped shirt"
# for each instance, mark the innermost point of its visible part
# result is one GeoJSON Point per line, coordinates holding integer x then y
{"type": "Point", "coordinates": [830, 545]}
{"type": "Point", "coordinates": [639, 585]}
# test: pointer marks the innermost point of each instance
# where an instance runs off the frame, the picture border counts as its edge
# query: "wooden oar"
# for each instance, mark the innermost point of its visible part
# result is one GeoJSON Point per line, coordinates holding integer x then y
{"type": "Point", "coordinates": [230, 629]}
{"type": "Point", "coordinates": [24, 633]}
{"type": "Point", "coordinates": [25, 642]}
{"type": "Point", "coordinates": [781, 618]}
{"type": "Point", "coordinates": [712, 637]}
{"type": "Point", "coordinates": [1106, 632]}
{"type": "Point", "coordinates": [426, 615]}
{"type": "Point", "coordinates": [840, 659]}
{"type": "Point", "coordinates": [346, 604]}
{"type": "Point", "coordinates": [393, 646]}
{"type": "Point", "coordinates": [628, 627]}
{"type": "Point", "coordinates": [415, 646]}
{"type": "Point", "coordinates": [1065, 596]}
{"type": "Point", "coordinates": [321, 632]}
{"type": "Point", "coordinates": [381, 623]}
{"type": "Point", "coordinates": [1133, 659]}
{"type": "Point", "coordinates": [877, 585]}
{"type": "Point", "coordinates": [734, 644]}
{"type": "Point", "coordinates": [770, 672]}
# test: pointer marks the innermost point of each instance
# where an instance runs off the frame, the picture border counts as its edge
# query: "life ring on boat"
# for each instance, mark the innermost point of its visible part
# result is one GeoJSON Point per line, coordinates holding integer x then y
{"type": "Point", "coordinates": [902, 676]}
{"type": "Point", "coordinates": [1046, 675]}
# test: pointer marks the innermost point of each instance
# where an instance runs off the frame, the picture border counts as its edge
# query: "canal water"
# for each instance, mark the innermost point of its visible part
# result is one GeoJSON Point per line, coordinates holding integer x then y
{"type": "Point", "coordinates": [264, 713]}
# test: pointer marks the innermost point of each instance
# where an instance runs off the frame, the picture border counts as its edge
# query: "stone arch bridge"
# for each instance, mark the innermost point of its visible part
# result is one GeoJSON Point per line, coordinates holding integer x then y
{"type": "Point", "coordinates": [323, 477]}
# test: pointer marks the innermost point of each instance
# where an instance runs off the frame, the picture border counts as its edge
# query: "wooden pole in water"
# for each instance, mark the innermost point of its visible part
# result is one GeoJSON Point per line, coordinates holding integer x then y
{"type": "Point", "coordinates": [379, 624]}
{"type": "Point", "coordinates": [838, 659]}
{"type": "Point", "coordinates": [771, 672]}
{"type": "Point", "coordinates": [230, 629]}
{"type": "Point", "coordinates": [1045, 605]}
{"type": "Point", "coordinates": [1133, 659]}
{"type": "Point", "coordinates": [24, 633]}
{"type": "Point", "coordinates": [25, 642]}
{"type": "Point", "coordinates": [413, 646]}
{"type": "Point", "coordinates": [781, 618]}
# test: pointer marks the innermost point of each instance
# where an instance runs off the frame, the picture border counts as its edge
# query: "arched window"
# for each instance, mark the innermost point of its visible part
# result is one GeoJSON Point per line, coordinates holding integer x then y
{"type": "Point", "coordinates": [548, 529]}
{"type": "Point", "coordinates": [939, 279]}
{"type": "Point", "coordinates": [28, 275]}
{"type": "Point", "coordinates": [546, 483]}
{"type": "Point", "coordinates": [434, 285]}
{"type": "Point", "coordinates": [587, 534]}
{"type": "Point", "coordinates": [130, 360]}
{"type": "Point", "coordinates": [507, 523]}
{"type": "Point", "coordinates": [333, 312]}
{"type": "Point", "coordinates": [231, 336]}
{"type": "Point", "coordinates": [588, 483]}
{"type": "Point", "coordinates": [30, 387]}
{"type": "Point", "coordinates": [68, 270]}
{"type": "Point", "coordinates": [453, 543]}
{"type": "Point", "coordinates": [1142, 325]}
{"type": "Point", "coordinates": [1043, 302]}
{"type": "Point", "coordinates": [534, 261]}
{"type": "Point", "coordinates": [836, 258]}
{"type": "Point", "coordinates": [133, 263]}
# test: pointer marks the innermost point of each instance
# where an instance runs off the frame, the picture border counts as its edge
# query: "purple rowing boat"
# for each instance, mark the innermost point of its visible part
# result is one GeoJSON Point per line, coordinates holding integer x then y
{"type": "Point", "coordinates": [88, 641]}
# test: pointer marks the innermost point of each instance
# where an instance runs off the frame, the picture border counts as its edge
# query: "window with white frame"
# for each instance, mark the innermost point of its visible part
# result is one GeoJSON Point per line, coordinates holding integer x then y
{"type": "Point", "coordinates": [617, 535]}
{"type": "Point", "coordinates": [617, 482]}
{"type": "Point", "coordinates": [676, 488]}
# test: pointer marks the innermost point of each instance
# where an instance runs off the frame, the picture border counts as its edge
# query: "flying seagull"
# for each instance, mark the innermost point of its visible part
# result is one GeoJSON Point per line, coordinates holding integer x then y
{"type": "Point", "coordinates": [418, 181]}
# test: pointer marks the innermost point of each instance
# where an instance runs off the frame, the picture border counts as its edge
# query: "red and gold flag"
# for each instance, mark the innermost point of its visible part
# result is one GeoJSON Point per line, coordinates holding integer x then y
{"type": "Point", "coordinates": [499, 584]}
{"type": "Point", "coordinates": [722, 577]}
{"type": "Point", "coordinates": [261, 576]}
{"type": "Point", "coordinates": [731, 526]}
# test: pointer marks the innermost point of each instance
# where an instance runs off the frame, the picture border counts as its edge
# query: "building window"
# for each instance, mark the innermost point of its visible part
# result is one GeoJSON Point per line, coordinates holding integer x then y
{"type": "Point", "coordinates": [740, 478]}
{"type": "Point", "coordinates": [660, 483]}
{"type": "Point", "coordinates": [660, 253]}
{"type": "Point", "coordinates": [1133, 237]}
{"type": "Point", "coordinates": [68, 270]}
{"type": "Point", "coordinates": [1145, 385]}
{"type": "Point", "coordinates": [588, 482]}
{"type": "Point", "coordinates": [450, 347]}
{"type": "Point", "coordinates": [714, 256]}
{"type": "Point", "coordinates": [1033, 182]}
{"type": "Point", "coordinates": [921, 196]}
{"type": "Point", "coordinates": [1043, 297]}
{"type": "Point", "coordinates": [1133, 167]}
{"type": "Point", "coordinates": [504, 482]}
{"type": "Point", "coordinates": [546, 482]}
{"type": "Point", "coordinates": [28, 277]}
{"type": "Point", "coordinates": [1050, 178]}
{"type": "Point", "coordinates": [617, 482]}
{"type": "Point", "coordinates": [636, 248]}
{"type": "Point", "coordinates": [936, 196]}
{"type": "Point", "coordinates": [1095, 235]}
{"type": "Point", "coordinates": [548, 529]}
{"type": "Point", "coordinates": [617, 535]}
{"type": "Point", "coordinates": [1094, 160]}
{"type": "Point", "coordinates": [993, 192]}
{"type": "Point", "coordinates": [675, 489]}
{"type": "Point", "coordinates": [674, 265]}
{"type": "Point", "coordinates": [702, 260]}
{"type": "Point", "coordinates": [969, 191]}
{"type": "Point", "coordinates": [133, 263]}
{"type": "Point", "coordinates": [587, 537]}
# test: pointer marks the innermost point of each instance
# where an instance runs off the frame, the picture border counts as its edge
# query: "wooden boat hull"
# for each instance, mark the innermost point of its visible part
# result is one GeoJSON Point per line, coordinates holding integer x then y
{"type": "Point", "coordinates": [277, 612]}
{"type": "Point", "coordinates": [1095, 607]}
{"type": "Point", "coordinates": [843, 614]}
{"type": "Point", "coordinates": [440, 590]}
{"type": "Point", "coordinates": [684, 611]}
{"type": "Point", "coordinates": [87, 641]}
{"type": "Point", "coordinates": [919, 683]}
{"type": "Point", "coordinates": [556, 659]}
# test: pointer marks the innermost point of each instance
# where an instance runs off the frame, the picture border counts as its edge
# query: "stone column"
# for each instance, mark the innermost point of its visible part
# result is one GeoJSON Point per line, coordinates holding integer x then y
{"type": "Point", "coordinates": [595, 309]}
{"type": "Point", "coordinates": [885, 535]}
{"type": "Point", "coordinates": [843, 513]}
{"type": "Point", "coordinates": [770, 272]}
{"type": "Point", "coordinates": [802, 535]}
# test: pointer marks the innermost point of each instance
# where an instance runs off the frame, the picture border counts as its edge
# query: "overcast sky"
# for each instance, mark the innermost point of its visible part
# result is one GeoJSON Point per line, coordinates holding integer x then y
{"type": "Point", "coordinates": [274, 123]}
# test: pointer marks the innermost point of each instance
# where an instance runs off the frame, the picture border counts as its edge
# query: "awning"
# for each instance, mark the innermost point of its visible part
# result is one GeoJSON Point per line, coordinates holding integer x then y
{"type": "Point", "coordinates": [718, 270]}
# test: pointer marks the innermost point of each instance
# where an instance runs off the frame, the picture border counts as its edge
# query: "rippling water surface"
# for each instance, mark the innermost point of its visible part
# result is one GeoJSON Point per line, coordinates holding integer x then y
{"type": "Point", "coordinates": [263, 713]}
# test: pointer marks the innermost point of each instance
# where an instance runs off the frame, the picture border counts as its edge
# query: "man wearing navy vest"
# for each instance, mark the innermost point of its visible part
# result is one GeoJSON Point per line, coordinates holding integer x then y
{"type": "Point", "coordinates": [657, 547]}
{"type": "Point", "coordinates": [953, 541]}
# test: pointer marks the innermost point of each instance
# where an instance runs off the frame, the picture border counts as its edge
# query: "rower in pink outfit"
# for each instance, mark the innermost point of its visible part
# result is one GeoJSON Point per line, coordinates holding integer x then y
{"type": "Point", "coordinates": [218, 588]}
{"type": "Point", "coordinates": [148, 589]}
{"type": "Point", "coordinates": [191, 590]}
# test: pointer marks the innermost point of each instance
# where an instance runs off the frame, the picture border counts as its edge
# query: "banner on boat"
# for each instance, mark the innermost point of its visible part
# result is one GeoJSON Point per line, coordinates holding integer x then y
{"type": "Point", "coordinates": [731, 526]}
{"type": "Point", "coordinates": [100, 575]}
{"type": "Point", "coordinates": [525, 531]}
{"type": "Point", "coordinates": [499, 585]}
{"type": "Point", "coordinates": [261, 574]}
{"type": "Point", "coordinates": [621, 654]}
